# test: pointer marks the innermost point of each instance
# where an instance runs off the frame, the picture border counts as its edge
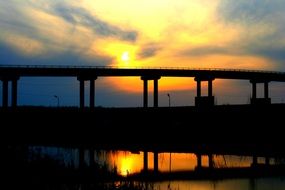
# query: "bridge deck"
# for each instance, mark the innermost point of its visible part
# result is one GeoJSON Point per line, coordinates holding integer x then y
{"type": "Point", "coordinates": [89, 72]}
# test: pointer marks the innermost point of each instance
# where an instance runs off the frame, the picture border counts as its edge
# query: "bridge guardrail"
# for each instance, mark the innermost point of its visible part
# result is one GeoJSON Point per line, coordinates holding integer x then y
{"type": "Point", "coordinates": [148, 68]}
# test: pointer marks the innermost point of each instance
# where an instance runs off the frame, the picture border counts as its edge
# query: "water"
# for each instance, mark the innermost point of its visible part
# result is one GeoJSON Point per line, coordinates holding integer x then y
{"type": "Point", "coordinates": [230, 184]}
{"type": "Point", "coordinates": [127, 163]}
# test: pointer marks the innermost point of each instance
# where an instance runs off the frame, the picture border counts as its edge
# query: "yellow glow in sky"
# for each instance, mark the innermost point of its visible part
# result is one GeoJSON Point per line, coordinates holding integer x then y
{"type": "Point", "coordinates": [145, 33]}
{"type": "Point", "coordinates": [125, 56]}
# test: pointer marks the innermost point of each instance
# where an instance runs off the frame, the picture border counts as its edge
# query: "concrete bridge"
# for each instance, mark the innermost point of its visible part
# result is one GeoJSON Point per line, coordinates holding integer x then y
{"type": "Point", "coordinates": [13, 73]}
{"type": "Point", "coordinates": [173, 121]}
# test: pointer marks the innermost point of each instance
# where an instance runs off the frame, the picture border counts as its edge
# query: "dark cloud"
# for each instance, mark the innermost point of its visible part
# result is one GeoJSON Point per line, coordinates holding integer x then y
{"type": "Point", "coordinates": [272, 52]}
{"type": "Point", "coordinates": [9, 56]}
{"type": "Point", "coordinates": [75, 15]}
{"type": "Point", "coordinates": [149, 50]}
{"type": "Point", "coordinates": [251, 11]}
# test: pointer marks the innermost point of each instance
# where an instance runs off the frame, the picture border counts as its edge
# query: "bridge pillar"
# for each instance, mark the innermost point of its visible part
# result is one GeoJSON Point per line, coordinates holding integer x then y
{"type": "Point", "coordinates": [210, 88]}
{"type": "Point", "coordinates": [5, 93]}
{"type": "Point", "coordinates": [81, 153]}
{"type": "Point", "coordinates": [145, 94]}
{"type": "Point", "coordinates": [254, 161]}
{"type": "Point", "coordinates": [82, 80]}
{"type": "Point", "coordinates": [91, 158]}
{"type": "Point", "coordinates": [253, 90]}
{"type": "Point", "coordinates": [155, 162]}
{"type": "Point", "coordinates": [14, 93]}
{"type": "Point", "coordinates": [199, 161]}
{"type": "Point", "coordinates": [155, 93]}
{"type": "Point", "coordinates": [145, 90]}
{"type": "Point", "coordinates": [211, 162]}
{"type": "Point", "coordinates": [266, 93]}
{"type": "Point", "coordinates": [198, 88]}
{"type": "Point", "coordinates": [81, 93]}
{"type": "Point", "coordinates": [260, 101]}
{"type": "Point", "coordinates": [92, 92]}
{"type": "Point", "coordinates": [204, 101]}
{"type": "Point", "coordinates": [267, 161]}
{"type": "Point", "coordinates": [145, 161]}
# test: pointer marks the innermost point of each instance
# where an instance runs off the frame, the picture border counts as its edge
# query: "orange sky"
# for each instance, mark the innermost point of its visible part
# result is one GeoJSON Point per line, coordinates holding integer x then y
{"type": "Point", "coordinates": [135, 33]}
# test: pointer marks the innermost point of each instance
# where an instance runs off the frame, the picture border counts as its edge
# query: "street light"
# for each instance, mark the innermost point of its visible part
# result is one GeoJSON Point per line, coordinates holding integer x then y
{"type": "Point", "coordinates": [57, 100]}
{"type": "Point", "coordinates": [168, 99]}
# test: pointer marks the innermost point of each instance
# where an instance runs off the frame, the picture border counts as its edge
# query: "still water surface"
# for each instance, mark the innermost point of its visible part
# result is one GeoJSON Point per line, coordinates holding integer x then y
{"type": "Point", "coordinates": [128, 163]}
{"type": "Point", "coordinates": [232, 184]}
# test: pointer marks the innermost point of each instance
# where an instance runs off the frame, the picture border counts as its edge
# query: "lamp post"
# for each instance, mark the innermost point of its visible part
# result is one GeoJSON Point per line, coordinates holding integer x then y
{"type": "Point", "coordinates": [57, 100]}
{"type": "Point", "coordinates": [168, 99]}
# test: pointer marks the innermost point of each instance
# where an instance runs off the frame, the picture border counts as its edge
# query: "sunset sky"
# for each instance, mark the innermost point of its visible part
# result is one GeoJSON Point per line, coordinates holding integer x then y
{"type": "Point", "coordinates": [244, 34]}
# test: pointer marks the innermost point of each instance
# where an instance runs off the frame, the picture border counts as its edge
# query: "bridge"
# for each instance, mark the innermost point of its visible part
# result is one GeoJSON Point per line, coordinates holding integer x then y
{"type": "Point", "coordinates": [173, 121]}
{"type": "Point", "coordinates": [12, 73]}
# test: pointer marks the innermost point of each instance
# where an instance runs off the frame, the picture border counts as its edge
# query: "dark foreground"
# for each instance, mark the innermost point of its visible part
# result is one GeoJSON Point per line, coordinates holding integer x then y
{"type": "Point", "coordinates": [239, 130]}
{"type": "Point", "coordinates": [154, 126]}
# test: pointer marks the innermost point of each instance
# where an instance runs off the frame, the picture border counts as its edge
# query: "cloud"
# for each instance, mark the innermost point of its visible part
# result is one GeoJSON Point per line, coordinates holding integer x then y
{"type": "Point", "coordinates": [261, 28]}
{"type": "Point", "coordinates": [148, 50]}
{"type": "Point", "coordinates": [80, 16]}
{"type": "Point", "coordinates": [26, 45]}
{"type": "Point", "coordinates": [49, 32]}
{"type": "Point", "coordinates": [274, 53]}
{"type": "Point", "coordinates": [8, 55]}
{"type": "Point", "coordinates": [251, 12]}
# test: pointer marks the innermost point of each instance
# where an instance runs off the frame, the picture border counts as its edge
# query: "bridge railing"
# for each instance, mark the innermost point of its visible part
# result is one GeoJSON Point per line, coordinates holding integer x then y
{"type": "Point", "coordinates": [139, 68]}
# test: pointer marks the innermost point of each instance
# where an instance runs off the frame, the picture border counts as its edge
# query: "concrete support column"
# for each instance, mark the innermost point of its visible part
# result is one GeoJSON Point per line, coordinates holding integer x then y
{"type": "Point", "coordinates": [210, 88]}
{"type": "Point", "coordinates": [155, 93]}
{"type": "Point", "coordinates": [81, 93]}
{"type": "Point", "coordinates": [253, 90]}
{"type": "Point", "coordinates": [145, 161]}
{"type": "Point", "coordinates": [5, 94]}
{"type": "Point", "coordinates": [266, 94]}
{"type": "Point", "coordinates": [254, 160]}
{"type": "Point", "coordinates": [81, 158]}
{"type": "Point", "coordinates": [14, 93]}
{"type": "Point", "coordinates": [211, 162]}
{"type": "Point", "coordinates": [145, 93]}
{"type": "Point", "coordinates": [199, 160]}
{"type": "Point", "coordinates": [145, 90]}
{"type": "Point", "coordinates": [267, 161]}
{"type": "Point", "coordinates": [91, 156]}
{"type": "Point", "coordinates": [92, 93]}
{"type": "Point", "coordinates": [198, 88]}
{"type": "Point", "coordinates": [155, 162]}
{"type": "Point", "coordinates": [260, 101]}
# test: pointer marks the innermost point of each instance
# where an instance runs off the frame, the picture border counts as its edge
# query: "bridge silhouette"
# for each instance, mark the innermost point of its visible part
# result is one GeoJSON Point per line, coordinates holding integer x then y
{"type": "Point", "coordinates": [13, 73]}
{"type": "Point", "coordinates": [175, 122]}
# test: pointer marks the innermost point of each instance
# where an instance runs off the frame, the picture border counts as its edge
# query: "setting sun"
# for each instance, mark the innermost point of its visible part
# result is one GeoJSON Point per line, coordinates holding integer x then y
{"type": "Point", "coordinates": [125, 56]}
